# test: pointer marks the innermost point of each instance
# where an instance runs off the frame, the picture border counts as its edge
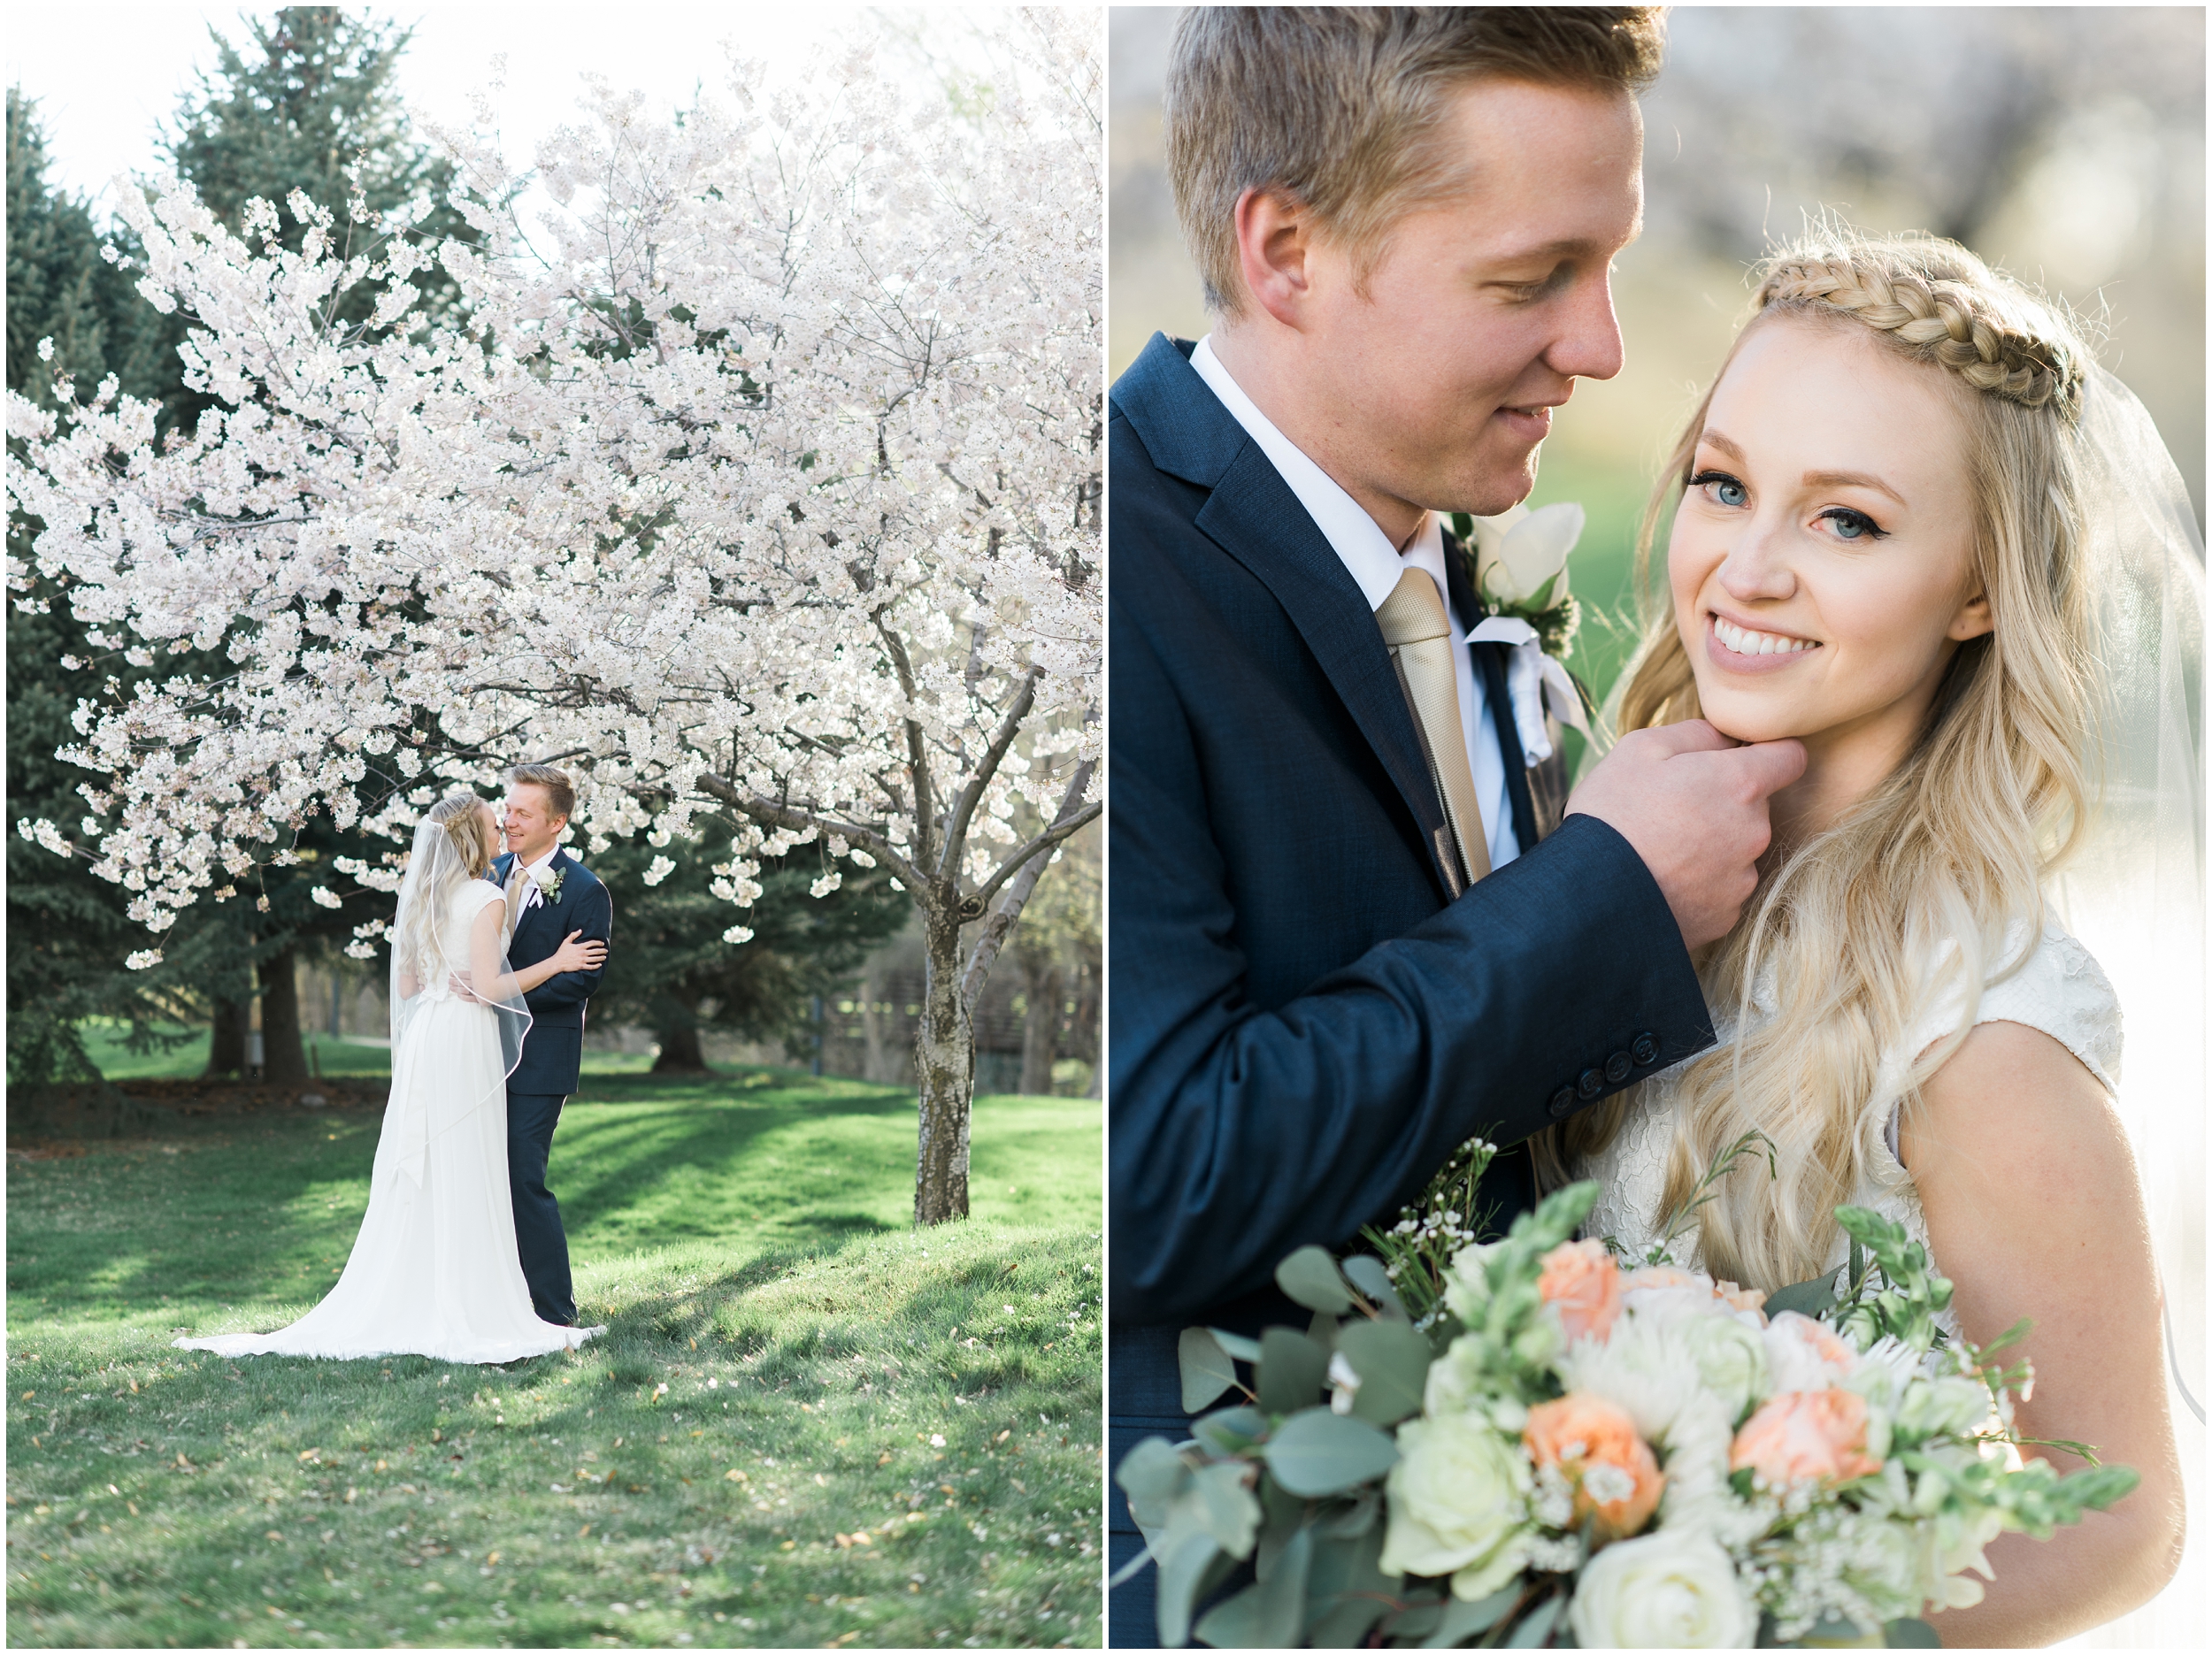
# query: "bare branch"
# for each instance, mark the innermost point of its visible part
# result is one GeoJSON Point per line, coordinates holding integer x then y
{"type": "Point", "coordinates": [1031, 863]}
{"type": "Point", "coordinates": [971, 795]}
{"type": "Point", "coordinates": [789, 816]}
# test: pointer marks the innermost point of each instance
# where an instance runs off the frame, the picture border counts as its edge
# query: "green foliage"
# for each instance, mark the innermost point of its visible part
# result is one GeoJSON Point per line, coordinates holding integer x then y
{"type": "Point", "coordinates": [1418, 1250]}
{"type": "Point", "coordinates": [672, 973]}
{"type": "Point", "coordinates": [748, 1229]}
{"type": "Point", "coordinates": [68, 934]}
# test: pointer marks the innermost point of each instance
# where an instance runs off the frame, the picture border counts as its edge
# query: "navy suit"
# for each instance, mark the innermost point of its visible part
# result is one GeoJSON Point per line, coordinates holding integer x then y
{"type": "Point", "coordinates": [552, 1057]}
{"type": "Point", "coordinates": [1305, 1024]}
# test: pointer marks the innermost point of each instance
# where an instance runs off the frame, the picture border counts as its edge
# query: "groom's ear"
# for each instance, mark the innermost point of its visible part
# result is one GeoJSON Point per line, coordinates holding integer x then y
{"type": "Point", "coordinates": [1275, 243]}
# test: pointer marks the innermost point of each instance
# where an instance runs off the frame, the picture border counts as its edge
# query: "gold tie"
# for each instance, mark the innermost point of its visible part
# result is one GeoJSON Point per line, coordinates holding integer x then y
{"type": "Point", "coordinates": [1420, 638]}
{"type": "Point", "coordinates": [518, 883]}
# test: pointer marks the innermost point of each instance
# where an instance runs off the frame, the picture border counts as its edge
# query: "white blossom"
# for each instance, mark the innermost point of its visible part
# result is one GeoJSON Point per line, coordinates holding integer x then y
{"type": "Point", "coordinates": [770, 460]}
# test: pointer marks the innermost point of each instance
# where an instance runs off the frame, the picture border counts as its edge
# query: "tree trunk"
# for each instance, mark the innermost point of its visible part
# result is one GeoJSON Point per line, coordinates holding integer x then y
{"type": "Point", "coordinates": [284, 1057]}
{"type": "Point", "coordinates": [227, 1041]}
{"type": "Point", "coordinates": [1040, 1025]}
{"type": "Point", "coordinates": [681, 1052]}
{"type": "Point", "coordinates": [945, 1055]}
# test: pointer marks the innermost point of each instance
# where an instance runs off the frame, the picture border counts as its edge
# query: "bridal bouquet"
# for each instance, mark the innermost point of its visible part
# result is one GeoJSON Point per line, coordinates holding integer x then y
{"type": "Point", "coordinates": [1528, 1441]}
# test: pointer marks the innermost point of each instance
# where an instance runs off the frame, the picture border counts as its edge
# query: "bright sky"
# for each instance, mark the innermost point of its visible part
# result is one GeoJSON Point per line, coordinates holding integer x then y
{"type": "Point", "coordinates": [106, 76]}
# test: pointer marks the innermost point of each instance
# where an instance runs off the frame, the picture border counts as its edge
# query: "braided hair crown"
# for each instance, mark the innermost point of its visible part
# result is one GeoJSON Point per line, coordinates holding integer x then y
{"type": "Point", "coordinates": [1940, 305]}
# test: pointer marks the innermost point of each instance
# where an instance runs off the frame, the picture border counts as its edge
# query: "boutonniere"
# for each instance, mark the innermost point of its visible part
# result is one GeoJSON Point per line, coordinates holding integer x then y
{"type": "Point", "coordinates": [552, 888]}
{"type": "Point", "coordinates": [1520, 579]}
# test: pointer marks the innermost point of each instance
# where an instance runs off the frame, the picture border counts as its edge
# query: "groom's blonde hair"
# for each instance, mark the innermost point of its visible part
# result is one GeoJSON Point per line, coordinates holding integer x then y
{"type": "Point", "coordinates": [1338, 108]}
{"type": "Point", "coordinates": [1930, 886]}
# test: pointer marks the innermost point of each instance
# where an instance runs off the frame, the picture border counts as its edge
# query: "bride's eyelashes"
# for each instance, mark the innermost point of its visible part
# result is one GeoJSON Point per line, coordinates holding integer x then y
{"type": "Point", "coordinates": [1722, 489]}
{"type": "Point", "coordinates": [1726, 491]}
{"type": "Point", "coordinates": [1853, 524]}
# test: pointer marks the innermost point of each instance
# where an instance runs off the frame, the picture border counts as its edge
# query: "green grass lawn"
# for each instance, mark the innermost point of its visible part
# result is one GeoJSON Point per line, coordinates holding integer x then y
{"type": "Point", "coordinates": [809, 1423]}
{"type": "Point", "coordinates": [187, 1058]}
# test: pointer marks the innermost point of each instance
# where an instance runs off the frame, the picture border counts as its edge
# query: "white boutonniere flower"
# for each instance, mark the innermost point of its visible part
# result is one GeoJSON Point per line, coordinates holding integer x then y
{"type": "Point", "coordinates": [1520, 571]}
{"type": "Point", "coordinates": [552, 886]}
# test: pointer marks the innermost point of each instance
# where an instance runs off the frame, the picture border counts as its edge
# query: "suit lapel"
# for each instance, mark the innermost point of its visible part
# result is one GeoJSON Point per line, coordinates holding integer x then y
{"type": "Point", "coordinates": [1252, 515]}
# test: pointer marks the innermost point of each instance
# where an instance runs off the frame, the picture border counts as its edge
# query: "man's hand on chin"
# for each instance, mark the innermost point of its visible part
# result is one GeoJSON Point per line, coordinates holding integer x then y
{"type": "Point", "coordinates": [1694, 804]}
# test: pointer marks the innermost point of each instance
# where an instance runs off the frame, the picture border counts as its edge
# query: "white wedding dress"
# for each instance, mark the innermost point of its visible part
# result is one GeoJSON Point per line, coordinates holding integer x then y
{"type": "Point", "coordinates": [434, 1271]}
{"type": "Point", "coordinates": [2058, 988]}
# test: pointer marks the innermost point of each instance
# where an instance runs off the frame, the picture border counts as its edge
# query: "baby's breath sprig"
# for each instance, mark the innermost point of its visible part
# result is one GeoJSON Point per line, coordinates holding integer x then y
{"type": "Point", "coordinates": [1416, 1250]}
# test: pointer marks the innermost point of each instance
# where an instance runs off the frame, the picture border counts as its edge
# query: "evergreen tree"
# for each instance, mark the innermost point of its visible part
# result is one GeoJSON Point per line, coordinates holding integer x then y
{"type": "Point", "coordinates": [310, 103]}
{"type": "Point", "coordinates": [67, 931]}
{"type": "Point", "coordinates": [670, 971]}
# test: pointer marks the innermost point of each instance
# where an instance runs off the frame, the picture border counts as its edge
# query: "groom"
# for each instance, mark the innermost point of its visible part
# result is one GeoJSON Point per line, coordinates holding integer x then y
{"type": "Point", "coordinates": [1341, 944]}
{"type": "Point", "coordinates": [550, 894]}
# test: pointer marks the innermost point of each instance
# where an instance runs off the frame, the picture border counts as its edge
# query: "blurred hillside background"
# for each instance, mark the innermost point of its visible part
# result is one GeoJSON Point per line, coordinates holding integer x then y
{"type": "Point", "coordinates": [2065, 145]}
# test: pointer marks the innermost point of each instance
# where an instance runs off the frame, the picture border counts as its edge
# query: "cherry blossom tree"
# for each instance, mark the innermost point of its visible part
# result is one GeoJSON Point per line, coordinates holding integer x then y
{"type": "Point", "coordinates": [758, 483]}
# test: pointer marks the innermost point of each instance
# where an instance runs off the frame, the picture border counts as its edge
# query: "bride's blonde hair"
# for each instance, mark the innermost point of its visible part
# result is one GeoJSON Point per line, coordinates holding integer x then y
{"type": "Point", "coordinates": [1851, 928]}
{"type": "Point", "coordinates": [418, 948]}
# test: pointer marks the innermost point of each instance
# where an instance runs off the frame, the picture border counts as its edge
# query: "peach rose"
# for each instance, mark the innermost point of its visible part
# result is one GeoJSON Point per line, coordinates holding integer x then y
{"type": "Point", "coordinates": [1658, 1277]}
{"type": "Point", "coordinates": [1597, 1445]}
{"type": "Point", "coordinates": [1581, 1279]}
{"type": "Point", "coordinates": [1741, 1298]}
{"type": "Point", "coordinates": [1803, 1435]}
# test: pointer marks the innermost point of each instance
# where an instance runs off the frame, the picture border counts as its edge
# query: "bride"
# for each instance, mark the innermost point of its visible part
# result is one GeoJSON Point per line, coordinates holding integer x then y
{"type": "Point", "coordinates": [434, 1271]}
{"type": "Point", "coordinates": [1883, 550]}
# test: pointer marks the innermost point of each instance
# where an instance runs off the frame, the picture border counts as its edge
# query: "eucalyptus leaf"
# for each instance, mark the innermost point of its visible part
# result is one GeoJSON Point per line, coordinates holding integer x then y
{"type": "Point", "coordinates": [1310, 1278]}
{"type": "Point", "coordinates": [1152, 1473]}
{"type": "Point", "coordinates": [1416, 1620]}
{"type": "Point", "coordinates": [1352, 1517]}
{"type": "Point", "coordinates": [1230, 1513]}
{"type": "Point", "coordinates": [1205, 1367]}
{"type": "Point", "coordinates": [1230, 1431]}
{"type": "Point", "coordinates": [1372, 1277]}
{"type": "Point", "coordinates": [1832, 1634]}
{"type": "Point", "coordinates": [1294, 1371]}
{"type": "Point", "coordinates": [1347, 1592]}
{"type": "Point", "coordinates": [1243, 1349]}
{"type": "Point", "coordinates": [1463, 1621]}
{"type": "Point", "coordinates": [1392, 1360]}
{"type": "Point", "coordinates": [1268, 1614]}
{"type": "Point", "coordinates": [1317, 1452]}
{"type": "Point", "coordinates": [1184, 1552]}
{"type": "Point", "coordinates": [1531, 1632]}
{"type": "Point", "coordinates": [1910, 1634]}
{"type": "Point", "coordinates": [1807, 1299]}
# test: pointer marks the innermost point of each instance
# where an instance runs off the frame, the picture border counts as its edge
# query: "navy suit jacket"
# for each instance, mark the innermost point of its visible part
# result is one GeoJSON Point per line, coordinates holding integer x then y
{"type": "Point", "coordinates": [553, 1050]}
{"type": "Point", "coordinates": [1304, 1023]}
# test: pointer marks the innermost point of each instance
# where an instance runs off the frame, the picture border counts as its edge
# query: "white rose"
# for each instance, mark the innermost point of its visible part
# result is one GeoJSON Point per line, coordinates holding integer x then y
{"type": "Point", "coordinates": [1666, 1590]}
{"type": "Point", "coordinates": [1518, 551]}
{"type": "Point", "coordinates": [1731, 1357]}
{"type": "Point", "coordinates": [1457, 1498]}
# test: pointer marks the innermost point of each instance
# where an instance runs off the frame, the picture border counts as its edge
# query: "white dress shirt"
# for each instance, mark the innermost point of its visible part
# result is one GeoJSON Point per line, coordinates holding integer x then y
{"type": "Point", "coordinates": [539, 871]}
{"type": "Point", "coordinates": [1377, 566]}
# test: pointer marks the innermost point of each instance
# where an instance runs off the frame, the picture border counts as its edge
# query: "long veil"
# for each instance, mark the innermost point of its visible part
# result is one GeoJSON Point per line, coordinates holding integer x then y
{"type": "Point", "coordinates": [2134, 895]}
{"type": "Point", "coordinates": [432, 994]}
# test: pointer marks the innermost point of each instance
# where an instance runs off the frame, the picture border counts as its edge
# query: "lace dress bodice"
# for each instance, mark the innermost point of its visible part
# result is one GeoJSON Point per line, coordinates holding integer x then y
{"type": "Point", "coordinates": [2058, 989]}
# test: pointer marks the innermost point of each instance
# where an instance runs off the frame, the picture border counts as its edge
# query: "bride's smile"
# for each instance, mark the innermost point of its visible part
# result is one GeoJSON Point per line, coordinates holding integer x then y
{"type": "Point", "coordinates": [1820, 564]}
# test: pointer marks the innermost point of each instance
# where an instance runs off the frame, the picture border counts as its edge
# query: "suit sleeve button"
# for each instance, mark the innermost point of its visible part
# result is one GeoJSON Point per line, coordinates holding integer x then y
{"type": "Point", "coordinates": [1562, 1102]}
{"type": "Point", "coordinates": [1618, 1067]}
{"type": "Point", "coordinates": [1590, 1084]}
{"type": "Point", "coordinates": [1645, 1050]}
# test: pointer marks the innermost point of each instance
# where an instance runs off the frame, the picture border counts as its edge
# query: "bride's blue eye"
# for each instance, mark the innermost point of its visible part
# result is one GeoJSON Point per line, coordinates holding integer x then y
{"type": "Point", "coordinates": [1854, 525]}
{"type": "Point", "coordinates": [1726, 490]}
